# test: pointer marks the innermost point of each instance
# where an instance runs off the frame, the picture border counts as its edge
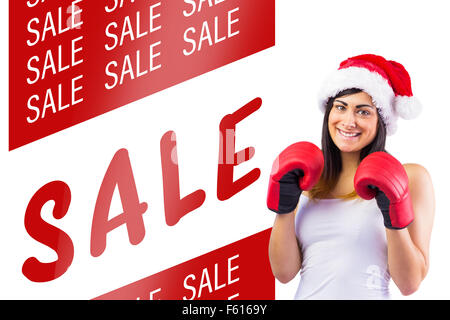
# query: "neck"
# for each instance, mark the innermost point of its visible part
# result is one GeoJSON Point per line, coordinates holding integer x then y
{"type": "Point", "coordinates": [350, 162]}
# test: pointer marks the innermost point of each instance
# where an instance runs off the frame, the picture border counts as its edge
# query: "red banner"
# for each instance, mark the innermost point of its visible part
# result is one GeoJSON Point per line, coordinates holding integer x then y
{"type": "Point", "coordinates": [239, 271]}
{"type": "Point", "coordinates": [72, 60]}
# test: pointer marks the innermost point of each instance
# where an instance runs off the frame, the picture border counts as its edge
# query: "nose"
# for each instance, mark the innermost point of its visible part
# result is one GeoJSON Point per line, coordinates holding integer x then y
{"type": "Point", "coordinates": [349, 120]}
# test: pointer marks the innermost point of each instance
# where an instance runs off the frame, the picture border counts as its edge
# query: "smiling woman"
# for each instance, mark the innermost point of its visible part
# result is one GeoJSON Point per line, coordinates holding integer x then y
{"type": "Point", "coordinates": [351, 123]}
{"type": "Point", "coordinates": [350, 217]}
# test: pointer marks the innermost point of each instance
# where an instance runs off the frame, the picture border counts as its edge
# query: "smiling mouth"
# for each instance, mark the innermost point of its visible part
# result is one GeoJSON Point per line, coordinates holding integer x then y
{"type": "Point", "coordinates": [347, 134]}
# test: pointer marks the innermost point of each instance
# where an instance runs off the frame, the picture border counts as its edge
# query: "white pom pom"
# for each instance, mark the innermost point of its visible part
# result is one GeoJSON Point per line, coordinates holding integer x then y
{"type": "Point", "coordinates": [407, 107]}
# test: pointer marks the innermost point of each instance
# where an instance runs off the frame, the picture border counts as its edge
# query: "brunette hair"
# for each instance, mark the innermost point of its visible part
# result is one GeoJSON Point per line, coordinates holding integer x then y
{"type": "Point", "coordinates": [332, 156]}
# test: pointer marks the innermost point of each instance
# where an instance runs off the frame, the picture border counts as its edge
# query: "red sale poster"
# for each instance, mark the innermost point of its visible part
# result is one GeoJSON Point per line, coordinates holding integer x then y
{"type": "Point", "coordinates": [224, 150]}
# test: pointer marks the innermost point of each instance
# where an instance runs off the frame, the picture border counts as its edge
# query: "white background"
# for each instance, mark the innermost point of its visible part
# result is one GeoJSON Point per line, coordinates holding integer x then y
{"type": "Point", "coordinates": [312, 37]}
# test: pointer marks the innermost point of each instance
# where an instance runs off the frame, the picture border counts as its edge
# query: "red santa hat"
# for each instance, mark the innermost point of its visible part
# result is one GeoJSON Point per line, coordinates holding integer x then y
{"type": "Point", "coordinates": [387, 82]}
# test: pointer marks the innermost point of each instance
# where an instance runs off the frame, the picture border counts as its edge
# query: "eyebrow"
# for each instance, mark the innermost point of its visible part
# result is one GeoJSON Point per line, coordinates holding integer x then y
{"type": "Point", "coordinates": [358, 106]}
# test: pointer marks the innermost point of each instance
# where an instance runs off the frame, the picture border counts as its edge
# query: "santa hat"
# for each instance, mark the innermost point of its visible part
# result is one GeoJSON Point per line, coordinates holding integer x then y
{"type": "Point", "coordinates": [387, 82]}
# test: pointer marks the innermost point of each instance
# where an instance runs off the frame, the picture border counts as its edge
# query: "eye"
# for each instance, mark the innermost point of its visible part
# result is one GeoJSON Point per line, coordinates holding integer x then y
{"type": "Point", "coordinates": [340, 107]}
{"type": "Point", "coordinates": [364, 112]}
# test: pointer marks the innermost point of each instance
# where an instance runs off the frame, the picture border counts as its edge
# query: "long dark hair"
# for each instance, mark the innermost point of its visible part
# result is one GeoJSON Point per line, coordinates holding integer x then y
{"type": "Point", "coordinates": [332, 155]}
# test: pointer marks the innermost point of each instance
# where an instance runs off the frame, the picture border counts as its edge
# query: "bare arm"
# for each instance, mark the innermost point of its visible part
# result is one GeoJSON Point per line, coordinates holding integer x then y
{"type": "Point", "coordinates": [284, 251]}
{"type": "Point", "coordinates": [408, 249]}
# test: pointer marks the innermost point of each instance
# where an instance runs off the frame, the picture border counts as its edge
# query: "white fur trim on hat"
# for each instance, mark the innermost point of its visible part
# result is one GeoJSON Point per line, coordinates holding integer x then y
{"type": "Point", "coordinates": [407, 107]}
{"type": "Point", "coordinates": [370, 82]}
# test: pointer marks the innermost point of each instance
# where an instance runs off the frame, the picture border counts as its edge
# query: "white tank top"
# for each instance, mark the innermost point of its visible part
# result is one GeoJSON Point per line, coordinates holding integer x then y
{"type": "Point", "coordinates": [344, 250]}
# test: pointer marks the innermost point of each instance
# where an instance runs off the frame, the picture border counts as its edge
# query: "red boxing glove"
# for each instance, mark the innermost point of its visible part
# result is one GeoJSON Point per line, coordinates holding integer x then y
{"type": "Point", "coordinates": [297, 168]}
{"type": "Point", "coordinates": [382, 176]}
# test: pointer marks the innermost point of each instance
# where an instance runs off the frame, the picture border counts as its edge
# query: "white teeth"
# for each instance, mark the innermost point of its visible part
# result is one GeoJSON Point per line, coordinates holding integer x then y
{"type": "Point", "coordinates": [345, 134]}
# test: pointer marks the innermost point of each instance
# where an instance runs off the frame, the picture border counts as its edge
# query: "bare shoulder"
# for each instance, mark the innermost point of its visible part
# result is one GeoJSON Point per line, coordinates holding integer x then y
{"type": "Point", "coordinates": [423, 201]}
{"type": "Point", "coordinates": [417, 174]}
{"type": "Point", "coordinates": [421, 190]}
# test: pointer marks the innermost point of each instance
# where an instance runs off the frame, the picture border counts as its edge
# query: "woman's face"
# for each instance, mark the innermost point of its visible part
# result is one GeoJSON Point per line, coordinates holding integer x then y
{"type": "Point", "coordinates": [353, 122]}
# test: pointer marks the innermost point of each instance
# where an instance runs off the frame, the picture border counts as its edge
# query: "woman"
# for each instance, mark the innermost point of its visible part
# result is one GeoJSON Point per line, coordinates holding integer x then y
{"type": "Point", "coordinates": [365, 217]}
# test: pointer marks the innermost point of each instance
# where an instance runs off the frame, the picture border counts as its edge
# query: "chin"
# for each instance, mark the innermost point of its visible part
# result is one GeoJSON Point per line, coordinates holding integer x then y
{"type": "Point", "coordinates": [348, 148]}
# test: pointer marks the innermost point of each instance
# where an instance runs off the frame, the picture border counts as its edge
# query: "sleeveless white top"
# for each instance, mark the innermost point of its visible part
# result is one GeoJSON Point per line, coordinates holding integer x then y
{"type": "Point", "coordinates": [344, 250]}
